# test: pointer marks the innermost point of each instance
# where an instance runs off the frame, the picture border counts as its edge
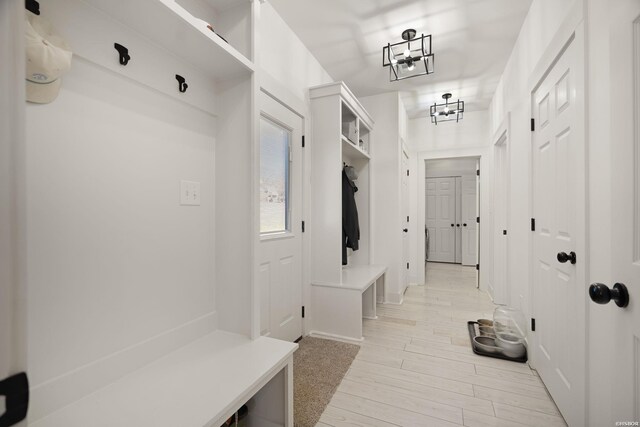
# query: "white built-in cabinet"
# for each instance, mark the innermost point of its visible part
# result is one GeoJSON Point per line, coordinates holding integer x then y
{"type": "Point", "coordinates": [342, 133]}
{"type": "Point", "coordinates": [142, 311]}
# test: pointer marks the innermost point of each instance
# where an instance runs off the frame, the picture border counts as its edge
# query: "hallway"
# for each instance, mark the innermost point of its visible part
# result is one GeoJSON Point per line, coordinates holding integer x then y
{"type": "Point", "coordinates": [416, 368]}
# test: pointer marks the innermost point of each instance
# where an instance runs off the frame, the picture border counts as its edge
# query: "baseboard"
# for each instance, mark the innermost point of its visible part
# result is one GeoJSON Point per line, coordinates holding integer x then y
{"type": "Point", "coordinates": [67, 388]}
{"type": "Point", "coordinates": [395, 298]}
{"type": "Point", "coordinates": [334, 337]}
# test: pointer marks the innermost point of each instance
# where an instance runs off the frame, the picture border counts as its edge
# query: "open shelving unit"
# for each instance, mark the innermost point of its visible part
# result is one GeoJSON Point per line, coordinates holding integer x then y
{"type": "Point", "coordinates": [341, 295]}
{"type": "Point", "coordinates": [160, 348]}
{"type": "Point", "coordinates": [179, 30]}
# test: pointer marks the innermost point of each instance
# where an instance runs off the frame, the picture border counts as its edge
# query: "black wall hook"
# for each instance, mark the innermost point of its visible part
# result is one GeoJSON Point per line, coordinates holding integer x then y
{"type": "Point", "coordinates": [182, 84]}
{"type": "Point", "coordinates": [123, 52]}
{"type": "Point", "coordinates": [32, 6]}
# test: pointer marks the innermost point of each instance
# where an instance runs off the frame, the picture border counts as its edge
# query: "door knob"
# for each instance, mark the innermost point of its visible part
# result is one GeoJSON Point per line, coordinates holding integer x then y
{"type": "Point", "coordinates": [564, 257]}
{"type": "Point", "coordinates": [405, 230]}
{"type": "Point", "coordinates": [453, 225]}
{"type": "Point", "coordinates": [464, 225]}
{"type": "Point", "coordinates": [458, 225]}
{"type": "Point", "coordinates": [601, 294]}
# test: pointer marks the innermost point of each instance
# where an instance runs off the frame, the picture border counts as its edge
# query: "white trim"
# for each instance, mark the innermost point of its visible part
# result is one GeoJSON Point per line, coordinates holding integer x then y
{"type": "Point", "coordinates": [334, 337]}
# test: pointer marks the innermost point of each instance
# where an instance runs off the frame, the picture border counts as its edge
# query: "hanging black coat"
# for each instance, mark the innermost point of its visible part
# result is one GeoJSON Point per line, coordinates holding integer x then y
{"type": "Point", "coordinates": [350, 225]}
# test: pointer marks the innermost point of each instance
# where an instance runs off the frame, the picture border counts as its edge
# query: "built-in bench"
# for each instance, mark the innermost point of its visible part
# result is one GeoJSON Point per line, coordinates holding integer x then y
{"type": "Point", "coordinates": [338, 308]}
{"type": "Point", "coordinates": [201, 384]}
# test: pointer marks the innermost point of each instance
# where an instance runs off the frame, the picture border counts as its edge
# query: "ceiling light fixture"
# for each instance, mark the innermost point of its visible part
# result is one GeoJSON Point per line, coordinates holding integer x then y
{"type": "Point", "coordinates": [409, 58]}
{"type": "Point", "coordinates": [448, 111]}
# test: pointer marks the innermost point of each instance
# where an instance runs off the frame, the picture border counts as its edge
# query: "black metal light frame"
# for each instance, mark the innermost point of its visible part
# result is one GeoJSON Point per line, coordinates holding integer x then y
{"type": "Point", "coordinates": [426, 56]}
{"type": "Point", "coordinates": [449, 111]}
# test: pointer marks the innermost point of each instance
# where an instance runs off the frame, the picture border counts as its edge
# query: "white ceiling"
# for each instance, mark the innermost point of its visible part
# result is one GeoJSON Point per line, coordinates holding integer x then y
{"type": "Point", "coordinates": [472, 41]}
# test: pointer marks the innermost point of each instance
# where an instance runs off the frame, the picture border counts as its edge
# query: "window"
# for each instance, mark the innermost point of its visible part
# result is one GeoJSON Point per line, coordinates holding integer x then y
{"type": "Point", "coordinates": [274, 177]}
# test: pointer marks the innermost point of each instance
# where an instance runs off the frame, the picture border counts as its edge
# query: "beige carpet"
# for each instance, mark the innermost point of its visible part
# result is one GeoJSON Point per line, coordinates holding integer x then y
{"type": "Point", "coordinates": [318, 368]}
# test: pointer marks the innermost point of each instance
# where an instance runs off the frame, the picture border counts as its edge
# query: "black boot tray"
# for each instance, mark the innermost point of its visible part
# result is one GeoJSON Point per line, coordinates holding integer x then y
{"type": "Point", "coordinates": [471, 325]}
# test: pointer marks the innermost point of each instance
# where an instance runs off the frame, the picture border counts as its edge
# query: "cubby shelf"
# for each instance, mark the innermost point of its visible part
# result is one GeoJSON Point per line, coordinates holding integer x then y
{"type": "Point", "coordinates": [349, 150]}
{"type": "Point", "coordinates": [172, 27]}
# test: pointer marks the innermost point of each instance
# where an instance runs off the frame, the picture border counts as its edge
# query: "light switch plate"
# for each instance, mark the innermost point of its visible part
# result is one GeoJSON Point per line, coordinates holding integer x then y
{"type": "Point", "coordinates": [189, 193]}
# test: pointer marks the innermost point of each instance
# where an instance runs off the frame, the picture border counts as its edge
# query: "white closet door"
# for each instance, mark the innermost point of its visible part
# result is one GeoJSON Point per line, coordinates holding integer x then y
{"type": "Point", "coordinates": [404, 179]}
{"type": "Point", "coordinates": [458, 232]}
{"type": "Point", "coordinates": [468, 209]}
{"type": "Point", "coordinates": [616, 338]}
{"type": "Point", "coordinates": [559, 286]}
{"type": "Point", "coordinates": [441, 218]}
{"type": "Point", "coordinates": [280, 251]}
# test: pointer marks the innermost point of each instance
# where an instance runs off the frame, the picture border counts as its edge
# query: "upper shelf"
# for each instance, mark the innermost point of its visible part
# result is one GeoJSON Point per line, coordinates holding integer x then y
{"type": "Point", "coordinates": [169, 25]}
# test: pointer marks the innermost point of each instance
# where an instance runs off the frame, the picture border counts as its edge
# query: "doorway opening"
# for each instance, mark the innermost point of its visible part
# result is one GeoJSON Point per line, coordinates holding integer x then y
{"type": "Point", "coordinates": [452, 206]}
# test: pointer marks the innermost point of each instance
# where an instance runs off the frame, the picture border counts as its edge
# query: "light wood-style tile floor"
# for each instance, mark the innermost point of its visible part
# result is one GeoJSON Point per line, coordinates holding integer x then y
{"type": "Point", "coordinates": [416, 368]}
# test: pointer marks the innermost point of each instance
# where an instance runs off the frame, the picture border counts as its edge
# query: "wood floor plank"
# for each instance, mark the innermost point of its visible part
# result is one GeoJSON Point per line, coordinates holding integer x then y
{"type": "Point", "coordinates": [544, 405]}
{"type": "Point", "coordinates": [476, 379]}
{"type": "Point", "coordinates": [525, 378]}
{"type": "Point", "coordinates": [506, 365]}
{"type": "Point", "coordinates": [436, 362]}
{"type": "Point", "coordinates": [413, 403]}
{"type": "Point", "coordinates": [337, 417]}
{"type": "Point", "coordinates": [384, 412]}
{"type": "Point", "coordinates": [474, 419]}
{"type": "Point", "coordinates": [527, 416]}
{"type": "Point", "coordinates": [400, 386]}
{"type": "Point", "coordinates": [413, 377]}
{"type": "Point", "coordinates": [388, 319]}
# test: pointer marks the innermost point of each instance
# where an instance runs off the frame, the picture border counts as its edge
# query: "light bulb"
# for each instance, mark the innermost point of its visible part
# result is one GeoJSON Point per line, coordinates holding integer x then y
{"type": "Point", "coordinates": [394, 61]}
{"type": "Point", "coordinates": [407, 53]}
{"type": "Point", "coordinates": [411, 67]}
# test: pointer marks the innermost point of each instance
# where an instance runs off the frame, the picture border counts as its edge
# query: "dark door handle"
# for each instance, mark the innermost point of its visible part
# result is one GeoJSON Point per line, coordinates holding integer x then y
{"type": "Point", "coordinates": [405, 230]}
{"type": "Point", "coordinates": [453, 225]}
{"type": "Point", "coordinates": [601, 294]}
{"type": "Point", "coordinates": [464, 225]}
{"type": "Point", "coordinates": [564, 257]}
{"type": "Point", "coordinates": [458, 225]}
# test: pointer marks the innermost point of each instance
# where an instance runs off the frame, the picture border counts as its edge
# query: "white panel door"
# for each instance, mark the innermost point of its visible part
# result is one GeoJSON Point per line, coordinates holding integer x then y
{"type": "Point", "coordinates": [404, 179]}
{"type": "Point", "coordinates": [498, 287]}
{"type": "Point", "coordinates": [622, 359]}
{"type": "Point", "coordinates": [431, 195]}
{"type": "Point", "coordinates": [280, 250]}
{"type": "Point", "coordinates": [559, 197]}
{"type": "Point", "coordinates": [469, 225]}
{"type": "Point", "coordinates": [441, 219]}
{"type": "Point", "coordinates": [458, 198]}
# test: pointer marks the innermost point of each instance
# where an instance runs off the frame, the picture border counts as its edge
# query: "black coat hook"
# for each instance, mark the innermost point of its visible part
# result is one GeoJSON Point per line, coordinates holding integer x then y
{"type": "Point", "coordinates": [182, 84]}
{"type": "Point", "coordinates": [123, 52]}
{"type": "Point", "coordinates": [32, 6]}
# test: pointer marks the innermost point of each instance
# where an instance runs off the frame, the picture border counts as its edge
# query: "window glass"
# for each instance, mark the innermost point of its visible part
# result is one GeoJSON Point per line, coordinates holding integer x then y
{"type": "Point", "coordinates": [274, 177]}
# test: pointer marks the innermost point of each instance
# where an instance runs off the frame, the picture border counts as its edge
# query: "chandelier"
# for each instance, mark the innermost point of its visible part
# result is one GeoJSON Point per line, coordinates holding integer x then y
{"type": "Point", "coordinates": [448, 111]}
{"type": "Point", "coordinates": [409, 58]}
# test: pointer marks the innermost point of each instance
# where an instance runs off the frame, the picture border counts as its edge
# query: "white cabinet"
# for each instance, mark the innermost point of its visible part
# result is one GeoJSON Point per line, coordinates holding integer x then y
{"type": "Point", "coordinates": [342, 135]}
{"type": "Point", "coordinates": [134, 300]}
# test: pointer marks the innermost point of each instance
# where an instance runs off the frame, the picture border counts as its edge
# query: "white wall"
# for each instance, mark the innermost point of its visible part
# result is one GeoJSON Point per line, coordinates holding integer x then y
{"type": "Point", "coordinates": [283, 56]}
{"type": "Point", "coordinates": [386, 150]}
{"type": "Point", "coordinates": [468, 138]}
{"type": "Point", "coordinates": [513, 96]}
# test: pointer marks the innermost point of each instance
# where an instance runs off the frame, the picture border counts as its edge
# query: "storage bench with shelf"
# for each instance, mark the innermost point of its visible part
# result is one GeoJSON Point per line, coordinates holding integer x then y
{"type": "Point", "coordinates": [341, 295]}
